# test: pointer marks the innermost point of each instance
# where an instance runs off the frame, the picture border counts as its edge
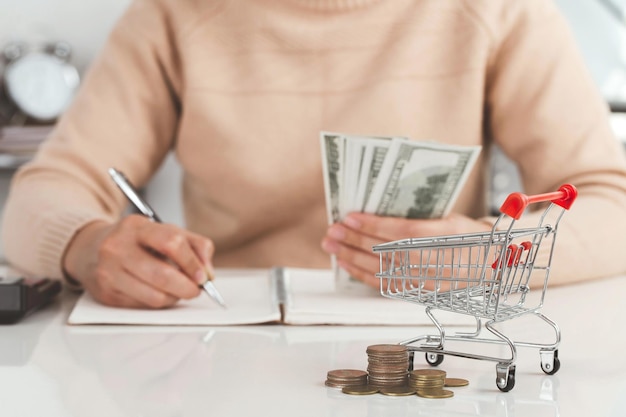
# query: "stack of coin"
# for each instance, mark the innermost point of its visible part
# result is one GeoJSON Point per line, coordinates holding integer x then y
{"type": "Point", "coordinates": [387, 365]}
{"type": "Point", "coordinates": [429, 383]}
{"type": "Point", "coordinates": [340, 378]}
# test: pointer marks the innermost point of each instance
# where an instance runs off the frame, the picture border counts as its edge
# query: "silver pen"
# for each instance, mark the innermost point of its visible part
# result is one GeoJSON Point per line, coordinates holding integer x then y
{"type": "Point", "coordinates": [133, 196]}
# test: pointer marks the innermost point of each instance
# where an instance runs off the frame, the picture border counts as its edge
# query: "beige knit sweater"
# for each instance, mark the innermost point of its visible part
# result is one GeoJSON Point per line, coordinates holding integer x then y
{"type": "Point", "coordinates": [240, 89]}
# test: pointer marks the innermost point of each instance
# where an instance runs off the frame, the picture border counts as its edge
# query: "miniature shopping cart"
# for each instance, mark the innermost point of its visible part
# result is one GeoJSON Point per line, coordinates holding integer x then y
{"type": "Point", "coordinates": [486, 275]}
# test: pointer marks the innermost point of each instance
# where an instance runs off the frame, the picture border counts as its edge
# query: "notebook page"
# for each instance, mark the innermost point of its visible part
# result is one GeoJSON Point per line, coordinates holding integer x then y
{"type": "Point", "coordinates": [314, 300]}
{"type": "Point", "coordinates": [247, 294]}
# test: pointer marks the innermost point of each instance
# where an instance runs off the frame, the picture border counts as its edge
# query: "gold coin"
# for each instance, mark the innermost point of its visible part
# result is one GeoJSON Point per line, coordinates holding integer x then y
{"type": "Point", "coordinates": [428, 373]}
{"type": "Point", "coordinates": [386, 361]}
{"type": "Point", "coordinates": [456, 382]}
{"type": "Point", "coordinates": [426, 386]}
{"type": "Point", "coordinates": [387, 371]}
{"type": "Point", "coordinates": [386, 349]}
{"type": "Point", "coordinates": [360, 390]}
{"type": "Point", "coordinates": [436, 393]}
{"type": "Point", "coordinates": [397, 391]}
{"type": "Point", "coordinates": [346, 374]}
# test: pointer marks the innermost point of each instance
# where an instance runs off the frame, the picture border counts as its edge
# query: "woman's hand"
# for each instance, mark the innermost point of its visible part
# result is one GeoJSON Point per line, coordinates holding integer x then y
{"type": "Point", "coordinates": [351, 241]}
{"type": "Point", "coordinates": [138, 263]}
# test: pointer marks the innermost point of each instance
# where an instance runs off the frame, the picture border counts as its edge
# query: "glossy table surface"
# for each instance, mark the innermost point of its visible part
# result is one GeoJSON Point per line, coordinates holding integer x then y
{"type": "Point", "coordinates": [48, 368]}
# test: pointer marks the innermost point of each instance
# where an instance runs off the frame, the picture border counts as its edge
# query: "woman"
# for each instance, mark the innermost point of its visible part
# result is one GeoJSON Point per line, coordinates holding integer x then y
{"type": "Point", "coordinates": [240, 91]}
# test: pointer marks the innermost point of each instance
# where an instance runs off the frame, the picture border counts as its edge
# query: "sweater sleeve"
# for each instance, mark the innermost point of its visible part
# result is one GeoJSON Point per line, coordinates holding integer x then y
{"type": "Point", "coordinates": [546, 114]}
{"type": "Point", "coordinates": [124, 116]}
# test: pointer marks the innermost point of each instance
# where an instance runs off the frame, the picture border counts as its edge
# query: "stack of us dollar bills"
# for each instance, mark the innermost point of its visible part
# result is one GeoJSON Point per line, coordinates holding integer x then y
{"type": "Point", "coordinates": [391, 176]}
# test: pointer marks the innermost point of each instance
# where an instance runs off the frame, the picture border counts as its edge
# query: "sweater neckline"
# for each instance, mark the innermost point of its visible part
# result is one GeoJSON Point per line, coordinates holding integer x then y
{"type": "Point", "coordinates": [334, 5]}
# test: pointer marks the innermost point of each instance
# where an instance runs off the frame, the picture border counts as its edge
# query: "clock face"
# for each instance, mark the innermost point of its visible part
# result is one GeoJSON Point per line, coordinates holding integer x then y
{"type": "Point", "coordinates": [41, 85]}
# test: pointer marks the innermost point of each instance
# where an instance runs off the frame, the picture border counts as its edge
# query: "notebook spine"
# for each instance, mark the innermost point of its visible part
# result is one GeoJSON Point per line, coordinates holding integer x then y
{"type": "Point", "coordinates": [279, 282]}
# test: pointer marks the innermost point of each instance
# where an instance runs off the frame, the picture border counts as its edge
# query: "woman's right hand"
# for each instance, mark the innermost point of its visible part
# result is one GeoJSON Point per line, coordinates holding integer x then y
{"type": "Point", "coordinates": [138, 263]}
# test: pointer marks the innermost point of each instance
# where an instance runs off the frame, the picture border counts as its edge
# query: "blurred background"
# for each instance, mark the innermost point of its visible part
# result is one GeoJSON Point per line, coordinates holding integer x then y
{"type": "Point", "coordinates": [598, 25]}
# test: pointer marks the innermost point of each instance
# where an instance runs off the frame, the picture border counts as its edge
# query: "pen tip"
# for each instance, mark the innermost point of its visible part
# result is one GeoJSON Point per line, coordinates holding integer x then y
{"type": "Point", "coordinates": [210, 289]}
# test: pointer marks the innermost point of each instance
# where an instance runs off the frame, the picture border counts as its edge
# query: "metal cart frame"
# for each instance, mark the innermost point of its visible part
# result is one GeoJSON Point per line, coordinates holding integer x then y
{"type": "Point", "coordinates": [485, 275]}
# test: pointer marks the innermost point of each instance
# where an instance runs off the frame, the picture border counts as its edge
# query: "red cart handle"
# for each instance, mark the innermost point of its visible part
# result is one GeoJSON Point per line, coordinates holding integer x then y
{"type": "Point", "coordinates": [516, 203]}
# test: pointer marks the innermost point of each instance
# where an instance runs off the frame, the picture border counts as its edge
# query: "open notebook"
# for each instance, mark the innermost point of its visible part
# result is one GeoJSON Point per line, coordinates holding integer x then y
{"type": "Point", "coordinates": [280, 295]}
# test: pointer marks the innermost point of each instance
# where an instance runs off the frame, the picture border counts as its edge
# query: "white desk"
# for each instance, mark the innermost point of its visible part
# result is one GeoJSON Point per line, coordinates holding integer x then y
{"type": "Point", "coordinates": [50, 369]}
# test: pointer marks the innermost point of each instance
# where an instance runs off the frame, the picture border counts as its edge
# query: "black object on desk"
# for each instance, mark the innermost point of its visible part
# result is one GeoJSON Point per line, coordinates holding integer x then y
{"type": "Point", "coordinates": [21, 296]}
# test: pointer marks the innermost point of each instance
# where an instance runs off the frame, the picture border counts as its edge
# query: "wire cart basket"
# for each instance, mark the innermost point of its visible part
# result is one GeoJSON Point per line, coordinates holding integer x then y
{"type": "Point", "coordinates": [485, 275]}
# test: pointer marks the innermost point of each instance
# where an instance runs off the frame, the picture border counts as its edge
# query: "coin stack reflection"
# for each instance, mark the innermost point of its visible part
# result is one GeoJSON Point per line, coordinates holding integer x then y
{"type": "Point", "coordinates": [387, 365]}
{"type": "Point", "coordinates": [341, 378]}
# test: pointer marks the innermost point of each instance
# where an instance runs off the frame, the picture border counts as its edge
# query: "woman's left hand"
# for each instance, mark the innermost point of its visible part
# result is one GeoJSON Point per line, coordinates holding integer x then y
{"type": "Point", "coordinates": [351, 241]}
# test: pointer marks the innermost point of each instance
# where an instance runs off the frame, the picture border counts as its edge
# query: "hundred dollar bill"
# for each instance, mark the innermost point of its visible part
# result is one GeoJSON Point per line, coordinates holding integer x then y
{"type": "Point", "coordinates": [333, 159]}
{"type": "Point", "coordinates": [336, 176]}
{"type": "Point", "coordinates": [350, 166]}
{"type": "Point", "coordinates": [390, 177]}
{"type": "Point", "coordinates": [420, 179]}
{"type": "Point", "coordinates": [354, 152]}
{"type": "Point", "coordinates": [373, 158]}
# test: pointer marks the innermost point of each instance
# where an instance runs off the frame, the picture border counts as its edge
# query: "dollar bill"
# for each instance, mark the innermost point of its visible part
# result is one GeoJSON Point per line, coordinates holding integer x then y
{"type": "Point", "coordinates": [390, 176]}
{"type": "Point", "coordinates": [333, 161]}
{"type": "Point", "coordinates": [373, 158]}
{"type": "Point", "coordinates": [333, 153]}
{"type": "Point", "coordinates": [350, 167]}
{"type": "Point", "coordinates": [354, 153]}
{"type": "Point", "coordinates": [420, 179]}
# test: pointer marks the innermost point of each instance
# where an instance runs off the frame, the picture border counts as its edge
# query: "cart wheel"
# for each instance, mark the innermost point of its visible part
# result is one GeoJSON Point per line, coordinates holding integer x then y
{"type": "Point", "coordinates": [506, 383]}
{"type": "Point", "coordinates": [434, 359]}
{"type": "Point", "coordinates": [551, 368]}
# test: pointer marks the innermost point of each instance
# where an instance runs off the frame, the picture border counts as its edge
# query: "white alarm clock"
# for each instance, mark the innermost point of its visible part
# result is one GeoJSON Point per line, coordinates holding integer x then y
{"type": "Point", "coordinates": [40, 83]}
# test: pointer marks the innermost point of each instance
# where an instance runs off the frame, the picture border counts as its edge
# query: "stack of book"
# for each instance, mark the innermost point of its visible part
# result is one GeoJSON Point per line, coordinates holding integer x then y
{"type": "Point", "coordinates": [18, 144]}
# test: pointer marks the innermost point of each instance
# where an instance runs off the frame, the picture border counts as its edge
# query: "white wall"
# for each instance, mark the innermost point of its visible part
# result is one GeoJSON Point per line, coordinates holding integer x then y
{"type": "Point", "coordinates": [83, 23]}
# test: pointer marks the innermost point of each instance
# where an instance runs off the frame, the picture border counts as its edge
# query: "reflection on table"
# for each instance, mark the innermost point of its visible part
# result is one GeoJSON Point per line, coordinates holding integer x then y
{"type": "Point", "coordinates": [280, 370]}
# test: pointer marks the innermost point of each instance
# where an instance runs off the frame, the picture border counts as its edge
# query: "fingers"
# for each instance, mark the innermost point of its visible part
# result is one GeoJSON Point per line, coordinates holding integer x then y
{"type": "Point", "coordinates": [353, 251]}
{"type": "Point", "coordinates": [140, 263]}
{"type": "Point", "coordinates": [204, 249]}
{"type": "Point", "coordinates": [388, 229]}
{"type": "Point", "coordinates": [142, 275]}
{"type": "Point", "coordinates": [158, 274]}
{"type": "Point", "coordinates": [352, 240]}
{"type": "Point", "coordinates": [175, 245]}
{"type": "Point", "coordinates": [392, 228]}
{"type": "Point", "coordinates": [347, 236]}
{"type": "Point", "coordinates": [366, 260]}
{"type": "Point", "coordinates": [127, 291]}
{"type": "Point", "coordinates": [363, 275]}
{"type": "Point", "coordinates": [115, 299]}
{"type": "Point", "coordinates": [122, 290]}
